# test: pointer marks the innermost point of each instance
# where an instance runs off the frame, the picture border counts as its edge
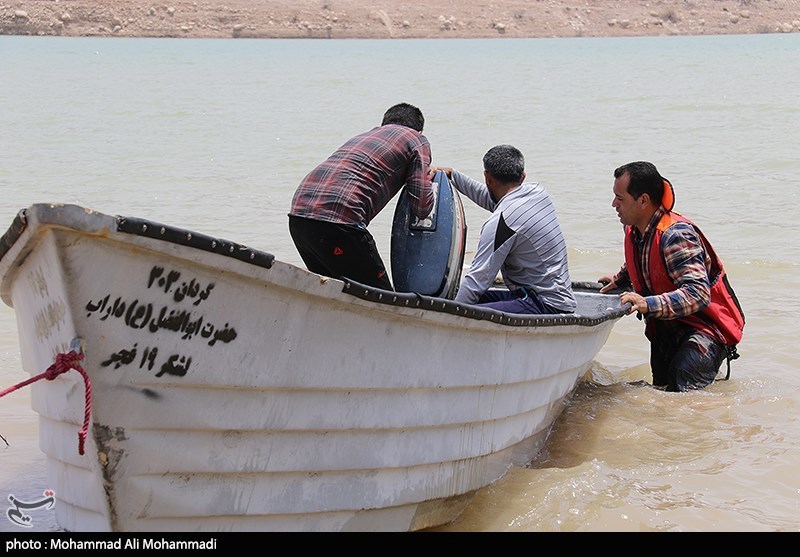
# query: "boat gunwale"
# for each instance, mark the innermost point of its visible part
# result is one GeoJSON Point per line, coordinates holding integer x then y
{"type": "Point", "coordinates": [53, 214]}
{"type": "Point", "coordinates": [443, 305]}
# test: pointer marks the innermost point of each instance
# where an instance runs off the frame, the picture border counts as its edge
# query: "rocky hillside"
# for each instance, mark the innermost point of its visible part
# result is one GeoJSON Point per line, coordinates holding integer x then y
{"type": "Point", "coordinates": [339, 19]}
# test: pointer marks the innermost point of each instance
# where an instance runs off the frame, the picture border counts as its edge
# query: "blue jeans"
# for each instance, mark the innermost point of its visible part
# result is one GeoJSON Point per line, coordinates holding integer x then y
{"type": "Point", "coordinates": [518, 301]}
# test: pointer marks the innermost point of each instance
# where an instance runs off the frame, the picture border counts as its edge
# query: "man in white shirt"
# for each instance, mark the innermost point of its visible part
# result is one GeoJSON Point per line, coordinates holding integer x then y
{"type": "Point", "coordinates": [522, 239]}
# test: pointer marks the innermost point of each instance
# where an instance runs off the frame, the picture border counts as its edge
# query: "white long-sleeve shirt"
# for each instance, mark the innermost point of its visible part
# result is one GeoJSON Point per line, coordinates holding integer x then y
{"type": "Point", "coordinates": [522, 239]}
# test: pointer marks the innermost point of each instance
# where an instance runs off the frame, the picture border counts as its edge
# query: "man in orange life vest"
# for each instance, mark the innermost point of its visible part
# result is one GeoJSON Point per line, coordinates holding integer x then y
{"type": "Point", "coordinates": [693, 318]}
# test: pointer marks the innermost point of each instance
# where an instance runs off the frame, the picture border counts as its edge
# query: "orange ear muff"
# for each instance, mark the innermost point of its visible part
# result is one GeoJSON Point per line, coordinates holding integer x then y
{"type": "Point", "coordinates": [668, 197]}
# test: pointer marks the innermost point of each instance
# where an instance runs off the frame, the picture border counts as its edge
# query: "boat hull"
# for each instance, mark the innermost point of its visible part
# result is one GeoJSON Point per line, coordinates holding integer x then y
{"type": "Point", "coordinates": [233, 392]}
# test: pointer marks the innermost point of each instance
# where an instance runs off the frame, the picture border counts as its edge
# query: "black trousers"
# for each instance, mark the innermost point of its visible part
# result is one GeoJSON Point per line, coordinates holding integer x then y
{"type": "Point", "coordinates": [681, 357]}
{"type": "Point", "coordinates": [339, 251]}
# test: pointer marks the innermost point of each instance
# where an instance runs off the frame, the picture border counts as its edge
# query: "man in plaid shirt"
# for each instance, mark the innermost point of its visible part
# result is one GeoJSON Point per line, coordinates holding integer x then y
{"type": "Point", "coordinates": [336, 201]}
{"type": "Point", "coordinates": [693, 318]}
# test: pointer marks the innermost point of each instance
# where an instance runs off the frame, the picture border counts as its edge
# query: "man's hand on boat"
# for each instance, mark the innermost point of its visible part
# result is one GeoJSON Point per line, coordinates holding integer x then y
{"type": "Point", "coordinates": [637, 302]}
{"type": "Point", "coordinates": [446, 169]}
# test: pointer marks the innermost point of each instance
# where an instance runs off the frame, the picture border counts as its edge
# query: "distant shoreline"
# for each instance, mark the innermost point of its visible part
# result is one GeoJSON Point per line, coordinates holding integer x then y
{"type": "Point", "coordinates": [389, 19]}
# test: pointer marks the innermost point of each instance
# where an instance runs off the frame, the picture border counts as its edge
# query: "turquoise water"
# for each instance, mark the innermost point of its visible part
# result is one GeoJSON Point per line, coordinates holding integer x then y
{"type": "Point", "coordinates": [214, 135]}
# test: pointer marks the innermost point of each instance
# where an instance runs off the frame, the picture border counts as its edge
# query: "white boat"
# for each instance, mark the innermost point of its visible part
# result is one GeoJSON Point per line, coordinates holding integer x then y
{"type": "Point", "coordinates": [234, 392]}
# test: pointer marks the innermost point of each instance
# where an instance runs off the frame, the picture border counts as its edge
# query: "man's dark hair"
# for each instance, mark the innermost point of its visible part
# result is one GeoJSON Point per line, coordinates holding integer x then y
{"type": "Point", "coordinates": [404, 114]}
{"type": "Point", "coordinates": [505, 163]}
{"type": "Point", "coordinates": [645, 178]}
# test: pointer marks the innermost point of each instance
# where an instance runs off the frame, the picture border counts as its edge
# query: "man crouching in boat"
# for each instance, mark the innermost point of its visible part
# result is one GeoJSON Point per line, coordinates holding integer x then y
{"type": "Point", "coordinates": [693, 318]}
{"type": "Point", "coordinates": [336, 201]}
{"type": "Point", "coordinates": [522, 239]}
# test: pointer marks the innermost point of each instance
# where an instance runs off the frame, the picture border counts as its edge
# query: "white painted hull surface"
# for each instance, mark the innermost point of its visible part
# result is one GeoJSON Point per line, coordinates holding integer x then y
{"type": "Point", "coordinates": [229, 395]}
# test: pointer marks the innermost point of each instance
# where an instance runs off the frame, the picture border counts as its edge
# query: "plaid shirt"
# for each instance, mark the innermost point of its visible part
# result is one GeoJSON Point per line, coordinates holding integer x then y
{"type": "Point", "coordinates": [688, 265]}
{"type": "Point", "coordinates": [361, 176]}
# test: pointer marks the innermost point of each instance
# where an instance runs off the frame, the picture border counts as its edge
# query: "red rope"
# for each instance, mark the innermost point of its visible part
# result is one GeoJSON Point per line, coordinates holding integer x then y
{"type": "Point", "coordinates": [64, 363]}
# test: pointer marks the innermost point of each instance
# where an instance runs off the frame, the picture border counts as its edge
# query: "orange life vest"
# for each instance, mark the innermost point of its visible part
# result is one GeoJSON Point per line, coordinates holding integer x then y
{"type": "Point", "coordinates": [723, 318]}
